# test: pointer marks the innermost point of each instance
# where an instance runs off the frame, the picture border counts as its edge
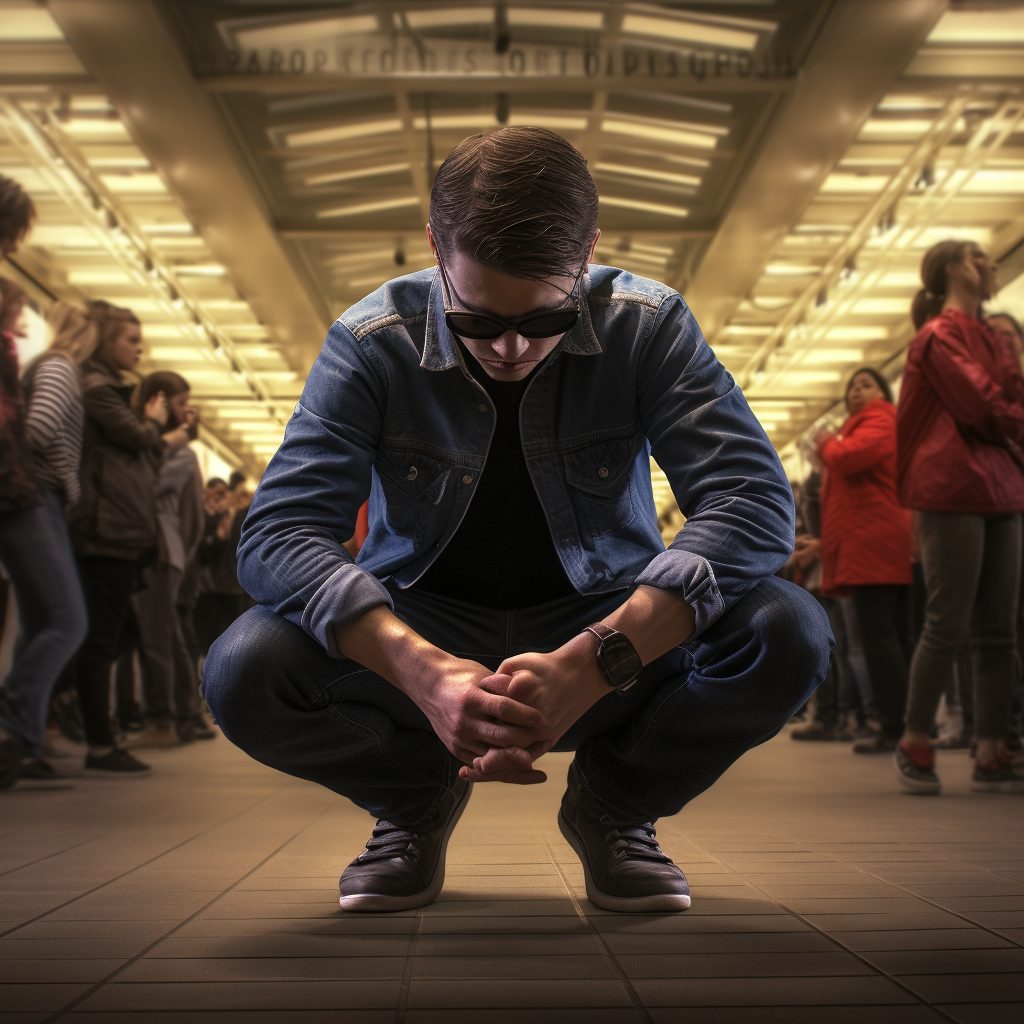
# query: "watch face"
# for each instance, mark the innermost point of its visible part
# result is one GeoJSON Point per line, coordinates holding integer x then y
{"type": "Point", "coordinates": [621, 662]}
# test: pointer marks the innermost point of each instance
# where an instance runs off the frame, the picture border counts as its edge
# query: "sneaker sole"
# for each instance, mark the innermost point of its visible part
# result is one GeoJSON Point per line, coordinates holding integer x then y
{"type": "Point", "coordinates": [916, 786]}
{"type": "Point", "coordinates": [378, 903]}
{"type": "Point", "coordinates": [661, 903]}
{"type": "Point", "coordinates": [997, 787]}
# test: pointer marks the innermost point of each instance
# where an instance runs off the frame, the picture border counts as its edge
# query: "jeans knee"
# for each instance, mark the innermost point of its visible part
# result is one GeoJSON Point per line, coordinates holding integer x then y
{"type": "Point", "coordinates": [794, 631]}
{"type": "Point", "coordinates": [240, 660]}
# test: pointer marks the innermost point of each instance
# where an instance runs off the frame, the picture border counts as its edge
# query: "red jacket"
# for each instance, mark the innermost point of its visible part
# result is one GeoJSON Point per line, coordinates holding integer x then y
{"type": "Point", "coordinates": [961, 420]}
{"type": "Point", "coordinates": [865, 533]}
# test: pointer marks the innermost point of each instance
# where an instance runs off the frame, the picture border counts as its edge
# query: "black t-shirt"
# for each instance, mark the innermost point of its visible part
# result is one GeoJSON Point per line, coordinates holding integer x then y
{"type": "Point", "coordinates": [502, 555]}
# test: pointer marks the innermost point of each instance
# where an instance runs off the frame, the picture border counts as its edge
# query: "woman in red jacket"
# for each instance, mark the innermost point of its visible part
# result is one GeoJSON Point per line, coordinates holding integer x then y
{"type": "Point", "coordinates": [865, 543]}
{"type": "Point", "coordinates": [959, 427]}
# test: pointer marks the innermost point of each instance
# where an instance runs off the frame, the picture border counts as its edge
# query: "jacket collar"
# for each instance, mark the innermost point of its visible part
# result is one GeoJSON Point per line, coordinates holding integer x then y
{"type": "Point", "coordinates": [441, 353]}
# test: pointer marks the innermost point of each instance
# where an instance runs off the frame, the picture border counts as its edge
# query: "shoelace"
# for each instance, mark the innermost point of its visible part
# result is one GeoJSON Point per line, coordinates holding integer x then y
{"type": "Point", "coordinates": [387, 840]}
{"type": "Point", "coordinates": [638, 843]}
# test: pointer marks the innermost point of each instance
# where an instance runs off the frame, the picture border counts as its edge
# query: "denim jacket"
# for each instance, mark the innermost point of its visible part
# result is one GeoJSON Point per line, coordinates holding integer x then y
{"type": "Point", "coordinates": [390, 412]}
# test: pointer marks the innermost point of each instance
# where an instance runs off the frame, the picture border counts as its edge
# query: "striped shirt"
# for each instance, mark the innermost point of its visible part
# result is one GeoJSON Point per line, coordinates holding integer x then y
{"type": "Point", "coordinates": [54, 423]}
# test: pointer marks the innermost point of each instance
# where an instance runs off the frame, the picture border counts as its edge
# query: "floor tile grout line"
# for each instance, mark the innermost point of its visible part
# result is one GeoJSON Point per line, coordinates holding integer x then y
{"type": "Point", "coordinates": [624, 979]}
{"type": "Point", "coordinates": [831, 938]}
{"type": "Point", "coordinates": [138, 867]}
{"type": "Point", "coordinates": [410, 956]}
{"type": "Point", "coordinates": [945, 910]}
{"type": "Point", "coordinates": [56, 1015]}
{"type": "Point", "coordinates": [57, 853]}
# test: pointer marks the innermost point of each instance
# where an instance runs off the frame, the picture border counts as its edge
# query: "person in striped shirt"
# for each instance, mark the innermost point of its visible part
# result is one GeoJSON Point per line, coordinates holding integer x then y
{"type": "Point", "coordinates": [36, 548]}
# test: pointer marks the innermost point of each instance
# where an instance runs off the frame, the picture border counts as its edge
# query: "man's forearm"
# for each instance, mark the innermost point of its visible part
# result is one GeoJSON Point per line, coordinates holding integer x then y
{"type": "Point", "coordinates": [383, 643]}
{"type": "Point", "coordinates": [655, 621]}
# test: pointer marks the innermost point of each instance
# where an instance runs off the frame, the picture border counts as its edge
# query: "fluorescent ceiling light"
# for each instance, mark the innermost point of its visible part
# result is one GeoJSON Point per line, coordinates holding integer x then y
{"type": "Point", "coordinates": [833, 355]}
{"type": "Point", "coordinates": [291, 33]}
{"type": "Point", "coordinates": [99, 275]}
{"type": "Point", "coordinates": [64, 236]}
{"type": "Point", "coordinates": [882, 306]}
{"type": "Point", "coordinates": [120, 162]}
{"type": "Point", "coordinates": [28, 25]}
{"type": "Point", "coordinates": [799, 377]}
{"type": "Point", "coordinates": [134, 184]}
{"type": "Point", "coordinates": [556, 122]}
{"type": "Point", "coordinates": [200, 270]}
{"type": "Point", "coordinates": [901, 279]}
{"type": "Point", "coordinates": [746, 330]}
{"type": "Point", "coordinates": [450, 16]}
{"type": "Point", "coordinates": [690, 31]}
{"type": "Point", "coordinates": [996, 182]}
{"type": "Point", "coordinates": [365, 172]}
{"type": "Point", "coordinates": [384, 204]}
{"type": "Point", "coordinates": [245, 330]}
{"type": "Point", "coordinates": [338, 133]}
{"type": "Point", "coordinates": [679, 137]}
{"type": "Point", "coordinates": [554, 18]}
{"type": "Point", "coordinates": [658, 250]}
{"type": "Point", "coordinates": [643, 172]}
{"type": "Point", "coordinates": [859, 183]}
{"type": "Point", "coordinates": [88, 126]}
{"type": "Point", "coordinates": [221, 375]}
{"type": "Point", "coordinates": [181, 227]}
{"type": "Point", "coordinates": [790, 270]}
{"type": "Point", "coordinates": [636, 204]}
{"type": "Point", "coordinates": [362, 282]}
{"type": "Point", "coordinates": [910, 103]}
{"type": "Point", "coordinates": [1002, 27]}
{"type": "Point", "coordinates": [913, 127]}
{"type": "Point", "coordinates": [866, 333]}
{"type": "Point", "coordinates": [174, 353]}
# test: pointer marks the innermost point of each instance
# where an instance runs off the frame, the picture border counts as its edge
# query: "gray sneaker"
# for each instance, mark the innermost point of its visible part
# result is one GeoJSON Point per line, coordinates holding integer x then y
{"type": "Point", "coordinates": [1001, 777]}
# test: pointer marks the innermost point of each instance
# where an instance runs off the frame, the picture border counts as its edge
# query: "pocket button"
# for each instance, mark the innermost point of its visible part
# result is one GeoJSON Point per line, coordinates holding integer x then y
{"type": "Point", "coordinates": [413, 473]}
{"type": "Point", "coordinates": [603, 472]}
{"type": "Point", "coordinates": [467, 479]}
{"type": "Point", "coordinates": [482, 407]}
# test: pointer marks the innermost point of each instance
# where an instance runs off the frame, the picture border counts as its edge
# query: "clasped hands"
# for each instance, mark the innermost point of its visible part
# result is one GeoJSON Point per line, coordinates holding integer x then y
{"type": "Point", "coordinates": [499, 723]}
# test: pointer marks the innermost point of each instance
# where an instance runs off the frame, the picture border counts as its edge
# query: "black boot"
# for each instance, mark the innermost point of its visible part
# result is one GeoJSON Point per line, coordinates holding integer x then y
{"type": "Point", "coordinates": [623, 864]}
{"type": "Point", "coordinates": [403, 868]}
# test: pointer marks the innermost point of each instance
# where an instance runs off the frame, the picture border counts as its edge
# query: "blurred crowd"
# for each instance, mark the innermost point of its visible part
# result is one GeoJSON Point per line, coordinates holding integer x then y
{"type": "Point", "coordinates": [910, 537]}
{"type": "Point", "coordinates": [121, 560]}
{"type": "Point", "coordinates": [118, 561]}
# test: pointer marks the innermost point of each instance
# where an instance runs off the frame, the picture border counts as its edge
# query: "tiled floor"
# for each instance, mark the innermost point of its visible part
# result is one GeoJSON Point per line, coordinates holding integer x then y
{"type": "Point", "coordinates": [207, 893]}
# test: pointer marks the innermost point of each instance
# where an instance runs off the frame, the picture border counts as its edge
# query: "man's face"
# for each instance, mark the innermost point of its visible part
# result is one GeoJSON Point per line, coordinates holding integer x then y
{"type": "Point", "coordinates": [215, 498]}
{"type": "Point", "coordinates": [482, 289]}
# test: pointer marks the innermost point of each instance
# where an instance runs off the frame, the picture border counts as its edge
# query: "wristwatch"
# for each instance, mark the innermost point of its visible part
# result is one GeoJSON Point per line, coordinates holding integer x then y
{"type": "Point", "coordinates": [616, 657]}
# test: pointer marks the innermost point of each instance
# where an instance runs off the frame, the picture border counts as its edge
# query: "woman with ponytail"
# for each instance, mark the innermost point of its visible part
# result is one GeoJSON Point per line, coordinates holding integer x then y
{"type": "Point", "coordinates": [960, 426]}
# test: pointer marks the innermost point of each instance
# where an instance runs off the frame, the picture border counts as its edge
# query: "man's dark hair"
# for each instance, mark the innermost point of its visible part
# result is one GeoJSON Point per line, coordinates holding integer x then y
{"type": "Point", "coordinates": [520, 200]}
{"type": "Point", "coordinates": [216, 481]}
{"type": "Point", "coordinates": [17, 211]}
{"type": "Point", "coordinates": [235, 479]}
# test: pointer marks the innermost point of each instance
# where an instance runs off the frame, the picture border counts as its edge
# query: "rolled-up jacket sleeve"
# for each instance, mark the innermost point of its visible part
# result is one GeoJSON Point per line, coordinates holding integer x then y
{"type": "Point", "coordinates": [725, 475]}
{"type": "Point", "coordinates": [291, 557]}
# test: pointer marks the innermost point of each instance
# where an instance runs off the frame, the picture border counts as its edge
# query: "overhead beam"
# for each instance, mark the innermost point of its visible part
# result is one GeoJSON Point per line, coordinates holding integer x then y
{"type": "Point", "coordinates": [129, 50]}
{"type": "Point", "coordinates": [863, 48]}
{"type": "Point", "coordinates": [324, 82]}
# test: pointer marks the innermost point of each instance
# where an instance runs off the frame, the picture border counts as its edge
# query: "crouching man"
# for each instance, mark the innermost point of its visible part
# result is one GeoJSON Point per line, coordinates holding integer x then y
{"type": "Point", "coordinates": [514, 595]}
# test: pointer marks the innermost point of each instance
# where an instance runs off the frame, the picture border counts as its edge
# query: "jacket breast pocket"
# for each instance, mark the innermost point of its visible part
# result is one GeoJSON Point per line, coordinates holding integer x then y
{"type": "Point", "coordinates": [414, 486]}
{"type": "Point", "coordinates": [599, 480]}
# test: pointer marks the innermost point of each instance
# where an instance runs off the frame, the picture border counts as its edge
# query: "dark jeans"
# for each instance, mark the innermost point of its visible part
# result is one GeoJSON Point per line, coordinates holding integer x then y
{"type": "Point", "coordinates": [277, 694]}
{"type": "Point", "coordinates": [972, 567]}
{"type": "Point", "coordinates": [36, 552]}
{"type": "Point", "coordinates": [108, 584]}
{"type": "Point", "coordinates": [884, 616]}
{"type": "Point", "coordinates": [837, 696]}
{"type": "Point", "coordinates": [170, 686]}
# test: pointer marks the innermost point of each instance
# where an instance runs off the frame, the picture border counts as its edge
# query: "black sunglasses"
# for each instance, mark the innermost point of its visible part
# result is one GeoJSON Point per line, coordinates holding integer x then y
{"type": "Point", "coordinates": [487, 326]}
